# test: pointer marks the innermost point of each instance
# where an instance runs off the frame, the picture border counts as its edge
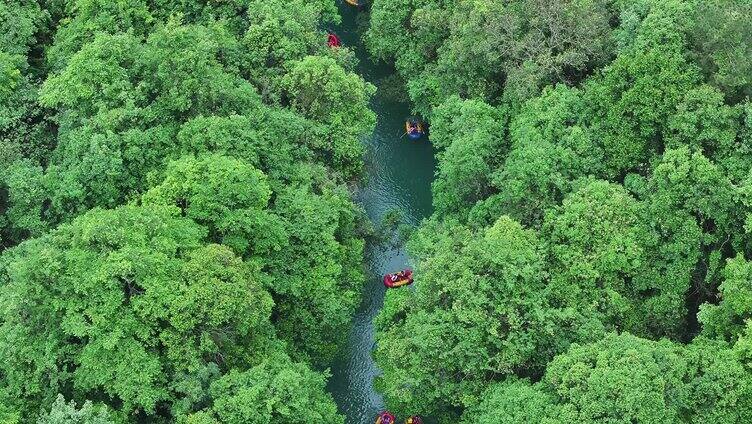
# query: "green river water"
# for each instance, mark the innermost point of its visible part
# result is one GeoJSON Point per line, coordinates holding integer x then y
{"type": "Point", "coordinates": [398, 177]}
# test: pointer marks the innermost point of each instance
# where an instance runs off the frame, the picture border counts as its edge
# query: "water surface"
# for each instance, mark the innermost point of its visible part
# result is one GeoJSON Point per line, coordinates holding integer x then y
{"type": "Point", "coordinates": [399, 174]}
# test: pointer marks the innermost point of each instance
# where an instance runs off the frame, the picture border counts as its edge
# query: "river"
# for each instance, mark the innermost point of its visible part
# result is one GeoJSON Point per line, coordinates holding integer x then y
{"type": "Point", "coordinates": [398, 177]}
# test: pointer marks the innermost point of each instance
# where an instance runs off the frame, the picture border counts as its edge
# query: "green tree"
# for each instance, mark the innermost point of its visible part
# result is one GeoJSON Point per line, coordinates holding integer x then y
{"type": "Point", "coordinates": [67, 413]}
{"type": "Point", "coordinates": [649, 24]}
{"type": "Point", "coordinates": [636, 182]}
{"type": "Point", "coordinates": [480, 312]}
{"type": "Point", "coordinates": [602, 259]}
{"type": "Point", "coordinates": [97, 77]}
{"type": "Point", "coordinates": [26, 192]}
{"type": "Point", "coordinates": [121, 104]}
{"type": "Point", "coordinates": [316, 278]}
{"type": "Point", "coordinates": [251, 138]}
{"type": "Point", "coordinates": [185, 74]}
{"type": "Point", "coordinates": [721, 42]}
{"type": "Point", "coordinates": [97, 16]}
{"type": "Point", "coordinates": [513, 402]}
{"type": "Point", "coordinates": [227, 196]}
{"type": "Point", "coordinates": [275, 391]}
{"type": "Point", "coordinates": [240, 14]}
{"type": "Point", "coordinates": [620, 379]}
{"type": "Point", "coordinates": [131, 98]}
{"type": "Point", "coordinates": [321, 90]}
{"type": "Point", "coordinates": [526, 44]}
{"type": "Point", "coordinates": [628, 107]}
{"type": "Point", "coordinates": [727, 319]}
{"type": "Point", "coordinates": [718, 388]}
{"type": "Point", "coordinates": [492, 50]}
{"type": "Point", "coordinates": [23, 123]}
{"type": "Point", "coordinates": [625, 379]}
{"type": "Point", "coordinates": [695, 211]}
{"type": "Point", "coordinates": [184, 106]}
{"type": "Point", "coordinates": [127, 303]}
{"type": "Point", "coordinates": [471, 143]}
{"type": "Point", "coordinates": [706, 124]}
{"type": "Point", "coordinates": [279, 34]}
{"type": "Point", "coordinates": [420, 25]}
{"type": "Point", "coordinates": [19, 23]}
{"type": "Point", "coordinates": [550, 147]}
{"type": "Point", "coordinates": [10, 76]}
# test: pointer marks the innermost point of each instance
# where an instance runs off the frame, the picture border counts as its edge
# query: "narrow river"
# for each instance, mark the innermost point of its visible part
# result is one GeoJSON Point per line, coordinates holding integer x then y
{"type": "Point", "coordinates": [398, 177]}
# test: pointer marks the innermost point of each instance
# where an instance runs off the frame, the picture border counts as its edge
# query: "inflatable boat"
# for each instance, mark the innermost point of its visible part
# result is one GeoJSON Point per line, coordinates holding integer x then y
{"type": "Point", "coordinates": [385, 417]}
{"type": "Point", "coordinates": [332, 40]}
{"type": "Point", "coordinates": [414, 129]}
{"type": "Point", "coordinates": [398, 279]}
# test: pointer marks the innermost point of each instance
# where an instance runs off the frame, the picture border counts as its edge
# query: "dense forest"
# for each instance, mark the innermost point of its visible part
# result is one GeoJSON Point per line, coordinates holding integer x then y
{"type": "Point", "coordinates": [179, 240]}
{"type": "Point", "coordinates": [589, 255]}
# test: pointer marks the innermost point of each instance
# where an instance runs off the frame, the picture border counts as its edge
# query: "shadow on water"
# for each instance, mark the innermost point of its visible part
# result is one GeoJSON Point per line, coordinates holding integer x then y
{"type": "Point", "coordinates": [399, 174]}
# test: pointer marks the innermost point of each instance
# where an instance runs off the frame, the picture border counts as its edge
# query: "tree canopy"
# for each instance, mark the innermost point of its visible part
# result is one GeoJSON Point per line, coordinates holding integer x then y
{"type": "Point", "coordinates": [179, 239]}
{"type": "Point", "coordinates": [175, 218]}
{"type": "Point", "coordinates": [615, 137]}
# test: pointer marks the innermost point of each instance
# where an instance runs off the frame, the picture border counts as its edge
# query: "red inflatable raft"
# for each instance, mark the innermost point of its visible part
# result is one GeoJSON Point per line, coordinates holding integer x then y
{"type": "Point", "coordinates": [332, 40]}
{"type": "Point", "coordinates": [399, 279]}
{"type": "Point", "coordinates": [385, 417]}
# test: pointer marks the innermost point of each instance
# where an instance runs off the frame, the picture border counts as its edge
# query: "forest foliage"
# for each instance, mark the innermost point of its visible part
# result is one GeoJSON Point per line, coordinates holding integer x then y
{"type": "Point", "coordinates": [178, 239]}
{"type": "Point", "coordinates": [179, 243]}
{"type": "Point", "coordinates": [587, 259]}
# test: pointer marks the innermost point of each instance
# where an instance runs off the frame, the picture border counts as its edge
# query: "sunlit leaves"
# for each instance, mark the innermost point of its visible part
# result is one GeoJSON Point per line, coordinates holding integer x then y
{"type": "Point", "coordinates": [727, 319]}
{"type": "Point", "coordinates": [226, 195]}
{"type": "Point", "coordinates": [470, 138]}
{"type": "Point", "coordinates": [68, 413]}
{"type": "Point", "coordinates": [321, 90]}
{"type": "Point", "coordinates": [275, 391]}
{"type": "Point", "coordinates": [478, 312]}
{"type": "Point", "coordinates": [141, 295]}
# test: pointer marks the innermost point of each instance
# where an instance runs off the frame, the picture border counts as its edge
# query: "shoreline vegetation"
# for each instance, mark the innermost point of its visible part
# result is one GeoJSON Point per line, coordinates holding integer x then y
{"type": "Point", "coordinates": [588, 257]}
{"type": "Point", "coordinates": [179, 242]}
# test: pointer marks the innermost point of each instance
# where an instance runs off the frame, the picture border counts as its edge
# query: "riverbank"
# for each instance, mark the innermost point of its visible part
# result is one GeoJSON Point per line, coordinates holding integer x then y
{"type": "Point", "coordinates": [399, 173]}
